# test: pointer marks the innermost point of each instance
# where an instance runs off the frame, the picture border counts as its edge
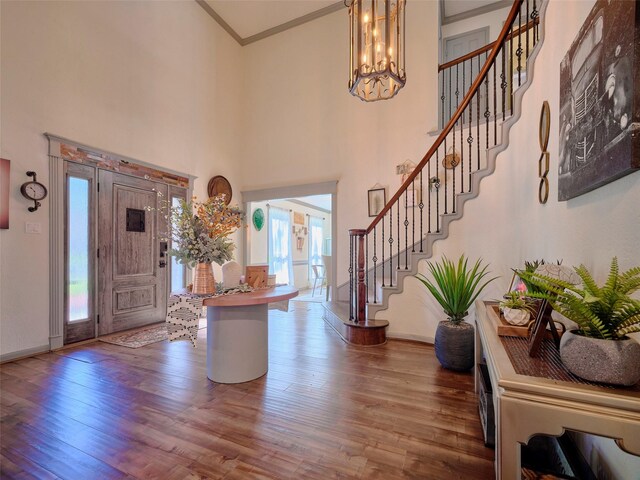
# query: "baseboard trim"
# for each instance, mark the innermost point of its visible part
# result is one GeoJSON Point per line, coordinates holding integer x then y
{"type": "Point", "coordinates": [27, 352]}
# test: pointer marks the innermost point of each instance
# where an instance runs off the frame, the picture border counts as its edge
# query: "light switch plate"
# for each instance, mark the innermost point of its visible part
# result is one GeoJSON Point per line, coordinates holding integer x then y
{"type": "Point", "coordinates": [33, 227]}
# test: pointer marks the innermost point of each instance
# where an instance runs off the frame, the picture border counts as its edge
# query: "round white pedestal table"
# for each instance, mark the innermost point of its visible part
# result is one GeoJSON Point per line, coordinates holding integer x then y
{"type": "Point", "coordinates": [238, 334]}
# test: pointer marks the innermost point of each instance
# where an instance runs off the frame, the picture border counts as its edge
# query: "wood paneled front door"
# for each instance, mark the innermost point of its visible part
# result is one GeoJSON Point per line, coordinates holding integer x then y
{"type": "Point", "coordinates": [132, 273]}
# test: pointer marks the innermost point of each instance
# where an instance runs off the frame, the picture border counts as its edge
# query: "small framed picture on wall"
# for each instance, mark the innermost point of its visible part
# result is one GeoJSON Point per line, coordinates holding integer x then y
{"type": "Point", "coordinates": [4, 193]}
{"type": "Point", "coordinates": [377, 201]}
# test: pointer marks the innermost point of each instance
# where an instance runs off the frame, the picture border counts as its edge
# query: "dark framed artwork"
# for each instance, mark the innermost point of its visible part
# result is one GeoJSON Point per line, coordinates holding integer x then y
{"type": "Point", "coordinates": [600, 100]}
{"type": "Point", "coordinates": [5, 166]}
{"type": "Point", "coordinates": [377, 199]}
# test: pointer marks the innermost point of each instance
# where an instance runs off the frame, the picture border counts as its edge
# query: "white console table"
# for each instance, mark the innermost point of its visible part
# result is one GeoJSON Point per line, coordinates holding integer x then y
{"type": "Point", "coordinates": [238, 334]}
{"type": "Point", "coordinates": [526, 405]}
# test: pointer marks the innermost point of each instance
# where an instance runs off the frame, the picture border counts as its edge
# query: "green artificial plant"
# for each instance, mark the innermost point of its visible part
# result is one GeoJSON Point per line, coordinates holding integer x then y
{"type": "Point", "coordinates": [606, 312]}
{"type": "Point", "coordinates": [456, 287]}
{"type": "Point", "coordinates": [518, 301]}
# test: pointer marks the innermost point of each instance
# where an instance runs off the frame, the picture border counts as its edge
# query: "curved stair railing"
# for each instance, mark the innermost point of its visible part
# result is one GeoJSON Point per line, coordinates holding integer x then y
{"type": "Point", "coordinates": [432, 191]}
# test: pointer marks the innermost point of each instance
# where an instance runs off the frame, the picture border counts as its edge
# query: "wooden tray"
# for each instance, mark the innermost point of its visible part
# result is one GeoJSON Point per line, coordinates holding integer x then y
{"type": "Point", "coordinates": [505, 329]}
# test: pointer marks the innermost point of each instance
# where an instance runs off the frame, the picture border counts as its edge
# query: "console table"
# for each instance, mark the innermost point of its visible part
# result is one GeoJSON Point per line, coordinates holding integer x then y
{"type": "Point", "coordinates": [547, 401]}
{"type": "Point", "coordinates": [238, 334]}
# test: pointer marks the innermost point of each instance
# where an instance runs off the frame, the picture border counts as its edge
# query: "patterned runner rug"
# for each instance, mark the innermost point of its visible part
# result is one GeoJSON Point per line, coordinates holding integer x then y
{"type": "Point", "coordinates": [141, 337]}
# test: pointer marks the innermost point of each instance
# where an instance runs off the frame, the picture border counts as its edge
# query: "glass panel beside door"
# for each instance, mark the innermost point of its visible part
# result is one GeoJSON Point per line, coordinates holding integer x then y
{"type": "Point", "coordinates": [80, 318]}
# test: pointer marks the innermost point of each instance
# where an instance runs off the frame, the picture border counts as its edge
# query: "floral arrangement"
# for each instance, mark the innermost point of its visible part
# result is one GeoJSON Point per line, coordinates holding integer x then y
{"type": "Point", "coordinates": [200, 230]}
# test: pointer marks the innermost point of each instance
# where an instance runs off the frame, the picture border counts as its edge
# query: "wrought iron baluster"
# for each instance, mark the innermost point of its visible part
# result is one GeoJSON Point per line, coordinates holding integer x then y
{"type": "Point", "coordinates": [382, 252]}
{"type": "Point", "coordinates": [519, 50]}
{"type": "Point", "coordinates": [527, 31]}
{"type": "Point", "coordinates": [437, 192]}
{"type": "Point", "coordinates": [457, 87]}
{"type": "Point", "coordinates": [478, 95]}
{"type": "Point", "coordinates": [391, 246]}
{"type": "Point", "coordinates": [446, 210]}
{"type": "Point", "coordinates": [406, 229]}
{"type": "Point", "coordinates": [421, 205]}
{"type": "Point", "coordinates": [470, 140]}
{"type": "Point", "coordinates": [442, 98]}
{"type": "Point", "coordinates": [413, 215]}
{"type": "Point", "coordinates": [429, 196]}
{"type": "Point", "coordinates": [495, 107]}
{"type": "Point", "coordinates": [462, 135]}
{"type": "Point", "coordinates": [453, 172]}
{"type": "Point", "coordinates": [503, 81]}
{"type": "Point", "coordinates": [375, 265]}
{"type": "Point", "coordinates": [511, 71]}
{"type": "Point", "coordinates": [487, 114]}
{"type": "Point", "coordinates": [366, 268]}
{"type": "Point", "coordinates": [534, 17]}
{"type": "Point", "coordinates": [398, 242]}
{"type": "Point", "coordinates": [450, 96]}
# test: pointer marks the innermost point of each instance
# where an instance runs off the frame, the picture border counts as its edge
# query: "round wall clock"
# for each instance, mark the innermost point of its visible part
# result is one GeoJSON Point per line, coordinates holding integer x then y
{"type": "Point", "coordinates": [258, 218]}
{"type": "Point", "coordinates": [218, 185]}
{"type": "Point", "coordinates": [33, 190]}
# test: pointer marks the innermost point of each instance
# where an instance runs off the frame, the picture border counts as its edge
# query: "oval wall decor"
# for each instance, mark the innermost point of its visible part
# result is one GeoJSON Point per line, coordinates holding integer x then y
{"type": "Point", "coordinates": [258, 218]}
{"type": "Point", "coordinates": [218, 185]}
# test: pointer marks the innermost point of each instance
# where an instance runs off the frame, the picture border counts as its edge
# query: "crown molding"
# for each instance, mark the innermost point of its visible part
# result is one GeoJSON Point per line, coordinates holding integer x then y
{"type": "Point", "coordinates": [334, 7]}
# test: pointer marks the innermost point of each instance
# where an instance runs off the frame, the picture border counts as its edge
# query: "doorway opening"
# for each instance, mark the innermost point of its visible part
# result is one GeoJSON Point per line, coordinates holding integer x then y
{"type": "Point", "coordinates": [294, 236]}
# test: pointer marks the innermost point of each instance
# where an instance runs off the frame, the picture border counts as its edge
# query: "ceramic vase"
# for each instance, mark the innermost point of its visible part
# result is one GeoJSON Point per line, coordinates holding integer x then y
{"type": "Point", "coordinates": [516, 316]}
{"type": "Point", "coordinates": [203, 281]}
{"type": "Point", "coordinates": [454, 345]}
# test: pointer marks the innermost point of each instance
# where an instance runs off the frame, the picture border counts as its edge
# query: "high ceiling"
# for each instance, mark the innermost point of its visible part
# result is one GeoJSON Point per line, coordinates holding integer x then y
{"type": "Point", "coordinates": [251, 20]}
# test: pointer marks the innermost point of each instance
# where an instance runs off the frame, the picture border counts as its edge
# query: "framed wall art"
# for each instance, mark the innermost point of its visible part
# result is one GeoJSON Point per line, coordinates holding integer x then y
{"type": "Point", "coordinates": [599, 100]}
{"type": "Point", "coordinates": [377, 199]}
{"type": "Point", "coordinates": [4, 193]}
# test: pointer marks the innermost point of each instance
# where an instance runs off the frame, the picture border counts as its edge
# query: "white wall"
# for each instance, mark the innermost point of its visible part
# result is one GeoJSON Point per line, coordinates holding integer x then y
{"type": "Point", "coordinates": [305, 125]}
{"type": "Point", "coordinates": [155, 81]}
{"type": "Point", "coordinates": [506, 225]}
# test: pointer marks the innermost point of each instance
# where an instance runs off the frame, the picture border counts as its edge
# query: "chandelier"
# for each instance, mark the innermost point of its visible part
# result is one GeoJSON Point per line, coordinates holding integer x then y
{"type": "Point", "coordinates": [376, 59]}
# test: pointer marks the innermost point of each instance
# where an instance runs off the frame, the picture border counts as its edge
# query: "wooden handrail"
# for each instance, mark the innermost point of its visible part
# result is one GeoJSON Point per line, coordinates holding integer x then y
{"type": "Point", "coordinates": [497, 45]}
{"type": "Point", "coordinates": [487, 47]}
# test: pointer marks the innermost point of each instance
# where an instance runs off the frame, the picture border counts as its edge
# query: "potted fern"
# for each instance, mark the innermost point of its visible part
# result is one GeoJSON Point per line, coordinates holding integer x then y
{"type": "Point", "coordinates": [599, 349]}
{"type": "Point", "coordinates": [455, 287]}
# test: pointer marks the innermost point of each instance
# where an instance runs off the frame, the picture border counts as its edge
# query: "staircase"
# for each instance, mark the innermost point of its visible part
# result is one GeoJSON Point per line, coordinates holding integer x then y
{"type": "Point", "coordinates": [480, 115]}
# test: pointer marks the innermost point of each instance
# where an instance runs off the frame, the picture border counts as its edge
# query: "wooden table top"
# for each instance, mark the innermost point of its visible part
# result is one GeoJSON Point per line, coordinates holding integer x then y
{"type": "Point", "coordinates": [258, 297]}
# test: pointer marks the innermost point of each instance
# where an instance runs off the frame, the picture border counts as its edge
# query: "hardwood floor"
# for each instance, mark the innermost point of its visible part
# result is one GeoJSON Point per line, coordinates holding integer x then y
{"type": "Point", "coordinates": [324, 410]}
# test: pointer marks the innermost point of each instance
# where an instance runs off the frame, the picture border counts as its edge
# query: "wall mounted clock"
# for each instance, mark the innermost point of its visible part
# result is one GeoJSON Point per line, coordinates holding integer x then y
{"type": "Point", "coordinates": [218, 185]}
{"type": "Point", "coordinates": [33, 190]}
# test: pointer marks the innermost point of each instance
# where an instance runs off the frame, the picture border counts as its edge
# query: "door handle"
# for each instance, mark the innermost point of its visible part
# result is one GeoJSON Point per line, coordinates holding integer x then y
{"type": "Point", "coordinates": [162, 264]}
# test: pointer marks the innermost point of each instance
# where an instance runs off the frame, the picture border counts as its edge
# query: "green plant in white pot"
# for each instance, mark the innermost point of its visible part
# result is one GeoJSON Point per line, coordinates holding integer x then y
{"type": "Point", "coordinates": [517, 309]}
{"type": "Point", "coordinates": [599, 349]}
{"type": "Point", "coordinates": [455, 287]}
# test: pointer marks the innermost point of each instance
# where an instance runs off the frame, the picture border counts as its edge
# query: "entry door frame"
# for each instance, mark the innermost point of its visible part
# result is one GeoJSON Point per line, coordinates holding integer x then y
{"type": "Point", "coordinates": [60, 150]}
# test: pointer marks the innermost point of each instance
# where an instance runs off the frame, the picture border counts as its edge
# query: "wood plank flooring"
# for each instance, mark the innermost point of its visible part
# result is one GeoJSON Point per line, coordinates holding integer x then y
{"type": "Point", "coordinates": [325, 410]}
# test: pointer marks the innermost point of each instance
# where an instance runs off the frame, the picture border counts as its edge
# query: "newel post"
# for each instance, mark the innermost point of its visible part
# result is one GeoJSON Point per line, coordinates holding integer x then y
{"type": "Point", "coordinates": [359, 287]}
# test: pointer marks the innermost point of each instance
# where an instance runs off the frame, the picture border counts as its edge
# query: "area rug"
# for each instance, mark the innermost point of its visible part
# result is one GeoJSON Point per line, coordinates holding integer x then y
{"type": "Point", "coordinates": [139, 337]}
{"type": "Point", "coordinates": [143, 336]}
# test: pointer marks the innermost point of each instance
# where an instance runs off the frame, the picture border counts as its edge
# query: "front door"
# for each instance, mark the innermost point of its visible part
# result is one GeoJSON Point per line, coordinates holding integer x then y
{"type": "Point", "coordinates": [132, 274]}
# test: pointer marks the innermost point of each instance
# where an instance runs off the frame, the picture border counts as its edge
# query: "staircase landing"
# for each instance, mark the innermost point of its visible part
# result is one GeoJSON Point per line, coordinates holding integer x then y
{"type": "Point", "coordinates": [368, 333]}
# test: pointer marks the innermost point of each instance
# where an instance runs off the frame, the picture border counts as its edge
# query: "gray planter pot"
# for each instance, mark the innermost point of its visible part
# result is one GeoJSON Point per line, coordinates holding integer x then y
{"type": "Point", "coordinates": [454, 345]}
{"type": "Point", "coordinates": [607, 361]}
